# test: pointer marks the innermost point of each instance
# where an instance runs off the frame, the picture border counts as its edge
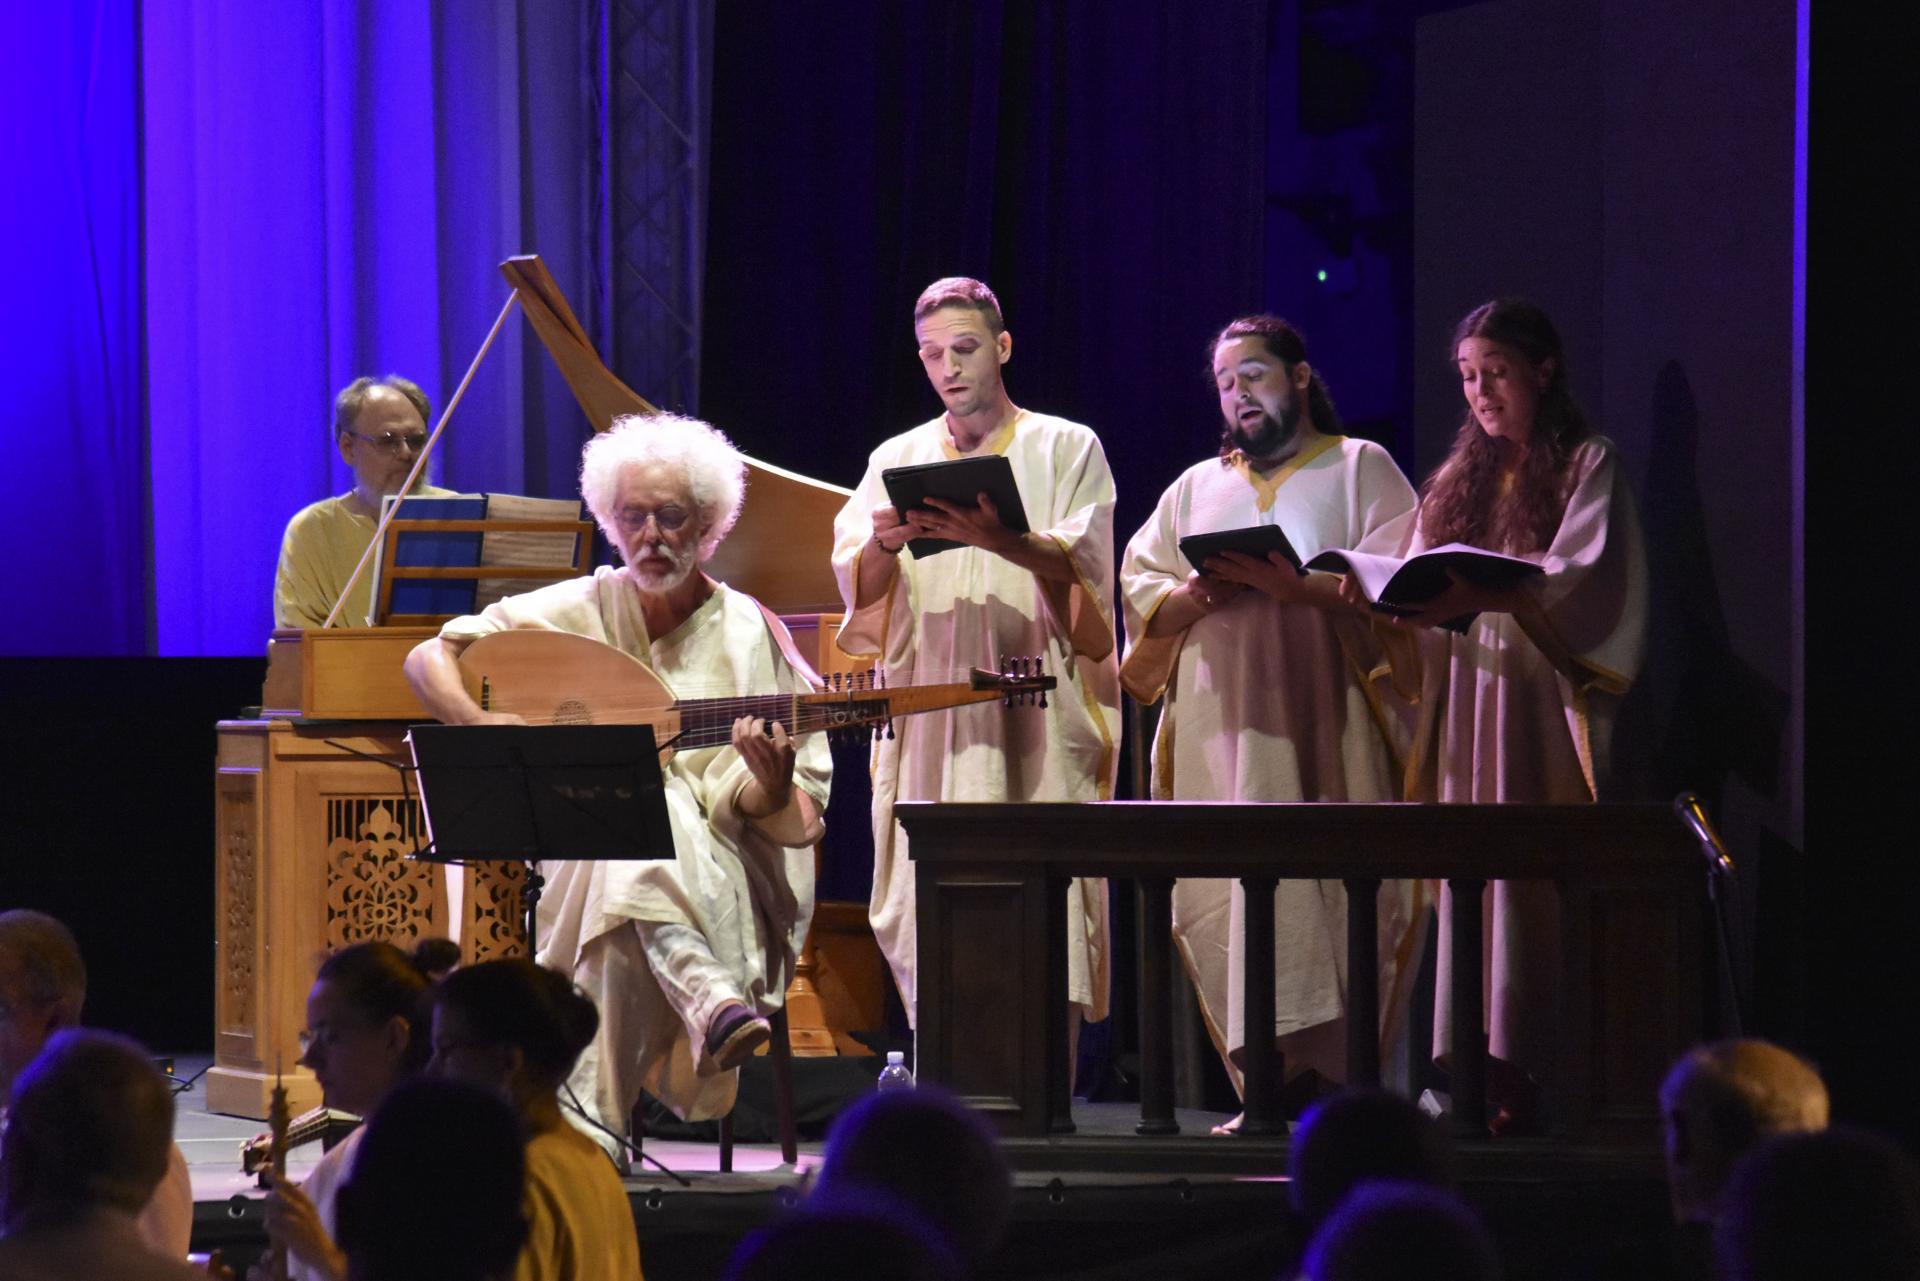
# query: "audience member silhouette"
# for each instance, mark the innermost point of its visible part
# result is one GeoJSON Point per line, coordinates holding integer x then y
{"type": "Point", "coordinates": [1360, 1134]}
{"type": "Point", "coordinates": [857, 1236]}
{"type": "Point", "coordinates": [89, 1130]}
{"type": "Point", "coordinates": [927, 1149]}
{"type": "Point", "coordinates": [366, 1033]}
{"type": "Point", "coordinates": [43, 987]}
{"type": "Point", "coordinates": [436, 958]}
{"type": "Point", "coordinates": [1388, 1231]}
{"type": "Point", "coordinates": [1836, 1203]}
{"type": "Point", "coordinates": [437, 1187]}
{"type": "Point", "coordinates": [515, 1028]}
{"type": "Point", "coordinates": [1718, 1101]}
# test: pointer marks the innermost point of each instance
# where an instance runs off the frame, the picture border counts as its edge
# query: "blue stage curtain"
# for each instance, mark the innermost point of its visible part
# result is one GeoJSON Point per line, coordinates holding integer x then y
{"type": "Point", "coordinates": [74, 493]}
{"type": "Point", "coordinates": [328, 192]}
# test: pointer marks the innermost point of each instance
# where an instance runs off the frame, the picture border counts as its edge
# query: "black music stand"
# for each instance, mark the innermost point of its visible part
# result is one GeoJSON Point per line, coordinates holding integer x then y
{"type": "Point", "coordinates": [529, 792]}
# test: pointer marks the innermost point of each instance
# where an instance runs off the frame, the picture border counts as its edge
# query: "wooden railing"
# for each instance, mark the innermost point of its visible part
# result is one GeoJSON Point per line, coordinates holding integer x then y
{"type": "Point", "coordinates": [991, 883]}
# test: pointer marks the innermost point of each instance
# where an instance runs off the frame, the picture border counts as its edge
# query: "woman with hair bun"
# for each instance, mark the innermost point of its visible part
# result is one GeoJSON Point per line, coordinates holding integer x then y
{"type": "Point", "coordinates": [366, 1033]}
{"type": "Point", "coordinates": [1519, 708]}
{"type": "Point", "coordinates": [516, 1028]}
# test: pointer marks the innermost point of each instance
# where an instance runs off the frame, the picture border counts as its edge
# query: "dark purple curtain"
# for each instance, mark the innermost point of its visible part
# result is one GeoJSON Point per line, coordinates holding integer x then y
{"type": "Point", "coordinates": [1103, 167]}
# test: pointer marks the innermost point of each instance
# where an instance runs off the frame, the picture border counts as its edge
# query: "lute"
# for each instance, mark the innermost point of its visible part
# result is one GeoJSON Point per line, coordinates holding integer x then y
{"type": "Point", "coordinates": [329, 1125]}
{"type": "Point", "coordinates": [557, 678]}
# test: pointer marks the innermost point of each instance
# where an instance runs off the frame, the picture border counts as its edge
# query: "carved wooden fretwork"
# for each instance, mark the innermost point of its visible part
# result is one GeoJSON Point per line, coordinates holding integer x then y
{"type": "Point", "coordinates": [239, 853]}
{"type": "Point", "coordinates": [374, 888]}
{"type": "Point", "coordinates": [495, 911]}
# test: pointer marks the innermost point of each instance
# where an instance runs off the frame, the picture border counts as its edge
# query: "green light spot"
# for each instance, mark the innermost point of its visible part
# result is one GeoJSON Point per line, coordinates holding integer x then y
{"type": "Point", "coordinates": [1321, 275]}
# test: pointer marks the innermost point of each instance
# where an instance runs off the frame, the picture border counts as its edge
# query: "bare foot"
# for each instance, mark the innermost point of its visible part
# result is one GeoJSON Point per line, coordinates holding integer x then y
{"type": "Point", "coordinates": [1228, 1129]}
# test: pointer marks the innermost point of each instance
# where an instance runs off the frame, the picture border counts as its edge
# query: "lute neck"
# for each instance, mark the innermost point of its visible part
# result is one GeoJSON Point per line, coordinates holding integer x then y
{"type": "Point", "coordinates": [708, 722]}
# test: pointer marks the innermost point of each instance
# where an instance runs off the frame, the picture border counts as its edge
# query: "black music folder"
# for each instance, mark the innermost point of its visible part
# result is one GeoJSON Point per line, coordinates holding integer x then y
{"type": "Point", "coordinates": [1255, 541]}
{"type": "Point", "coordinates": [960, 481]}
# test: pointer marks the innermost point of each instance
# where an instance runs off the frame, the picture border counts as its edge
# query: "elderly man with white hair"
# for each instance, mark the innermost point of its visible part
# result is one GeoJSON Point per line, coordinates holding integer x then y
{"type": "Point", "coordinates": [685, 956]}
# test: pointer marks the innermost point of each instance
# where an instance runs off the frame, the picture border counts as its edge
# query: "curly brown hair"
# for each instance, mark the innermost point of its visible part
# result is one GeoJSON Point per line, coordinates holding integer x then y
{"type": "Point", "coordinates": [1462, 501]}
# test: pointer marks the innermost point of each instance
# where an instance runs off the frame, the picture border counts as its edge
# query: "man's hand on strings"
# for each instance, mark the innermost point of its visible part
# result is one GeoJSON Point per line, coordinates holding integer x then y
{"type": "Point", "coordinates": [1272, 575]}
{"type": "Point", "coordinates": [977, 526]}
{"type": "Point", "coordinates": [769, 755]}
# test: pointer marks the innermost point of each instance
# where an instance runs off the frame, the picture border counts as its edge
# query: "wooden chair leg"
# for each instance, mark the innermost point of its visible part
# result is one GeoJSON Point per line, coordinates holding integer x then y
{"type": "Point", "coordinates": [781, 1052]}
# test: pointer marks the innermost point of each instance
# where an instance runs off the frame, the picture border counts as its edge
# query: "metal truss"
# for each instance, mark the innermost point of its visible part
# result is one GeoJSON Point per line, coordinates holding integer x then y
{"type": "Point", "coordinates": [655, 58]}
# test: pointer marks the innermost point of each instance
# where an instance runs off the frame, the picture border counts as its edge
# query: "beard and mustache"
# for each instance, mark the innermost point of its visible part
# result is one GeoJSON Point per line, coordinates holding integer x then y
{"type": "Point", "coordinates": [655, 579]}
{"type": "Point", "coordinates": [1266, 435]}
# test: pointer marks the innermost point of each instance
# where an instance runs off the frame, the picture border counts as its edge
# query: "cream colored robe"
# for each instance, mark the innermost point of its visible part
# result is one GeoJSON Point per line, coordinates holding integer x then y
{"type": "Point", "coordinates": [968, 608]}
{"type": "Point", "coordinates": [751, 897]}
{"type": "Point", "coordinates": [322, 1186]}
{"type": "Point", "coordinates": [322, 544]}
{"type": "Point", "coordinates": [1265, 702]}
{"type": "Point", "coordinates": [1521, 708]}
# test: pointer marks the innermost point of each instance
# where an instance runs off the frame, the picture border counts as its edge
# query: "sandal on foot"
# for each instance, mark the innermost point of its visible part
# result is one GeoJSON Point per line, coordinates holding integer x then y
{"type": "Point", "coordinates": [736, 1033]}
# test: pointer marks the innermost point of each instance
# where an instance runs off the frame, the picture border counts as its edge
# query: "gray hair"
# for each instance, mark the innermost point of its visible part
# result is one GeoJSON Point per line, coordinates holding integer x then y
{"type": "Point", "coordinates": [46, 957]}
{"type": "Point", "coordinates": [353, 398]}
{"type": "Point", "coordinates": [716, 473]}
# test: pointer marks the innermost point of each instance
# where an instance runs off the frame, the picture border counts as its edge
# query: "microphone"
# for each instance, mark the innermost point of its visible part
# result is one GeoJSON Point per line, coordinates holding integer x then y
{"type": "Point", "coordinates": [1694, 815]}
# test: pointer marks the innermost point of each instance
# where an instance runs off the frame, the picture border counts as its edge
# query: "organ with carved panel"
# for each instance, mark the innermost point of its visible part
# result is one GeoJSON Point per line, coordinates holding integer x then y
{"type": "Point", "coordinates": [316, 835]}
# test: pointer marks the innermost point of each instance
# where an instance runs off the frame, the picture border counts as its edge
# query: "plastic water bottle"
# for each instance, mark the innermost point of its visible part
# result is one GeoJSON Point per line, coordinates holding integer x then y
{"type": "Point", "coordinates": [894, 1076]}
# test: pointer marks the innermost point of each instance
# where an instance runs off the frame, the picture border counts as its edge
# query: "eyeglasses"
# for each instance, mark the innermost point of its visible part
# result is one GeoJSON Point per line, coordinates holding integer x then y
{"type": "Point", "coordinates": [669, 518]}
{"type": "Point", "coordinates": [322, 1038]}
{"type": "Point", "coordinates": [390, 441]}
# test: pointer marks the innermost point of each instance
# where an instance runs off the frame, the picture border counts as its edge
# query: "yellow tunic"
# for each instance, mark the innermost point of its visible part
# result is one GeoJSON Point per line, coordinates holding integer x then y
{"type": "Point", "coordinates": [580, 1227]}
{"type": "Point", "coordinates": [322, 544]}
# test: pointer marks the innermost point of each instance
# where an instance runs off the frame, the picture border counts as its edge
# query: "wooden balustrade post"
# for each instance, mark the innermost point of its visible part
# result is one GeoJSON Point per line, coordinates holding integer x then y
{"type": "Point", "coordinates": [1060, 1066]}
{"type": "Point", "coordinates": [1469, 1074]}
{"type": "Point", "coordinates": [1156, 1006]}
{"type": "Point", "coordinates": [1262, 1064]}
{"type": "Point", "coordinates": [1363, 980]}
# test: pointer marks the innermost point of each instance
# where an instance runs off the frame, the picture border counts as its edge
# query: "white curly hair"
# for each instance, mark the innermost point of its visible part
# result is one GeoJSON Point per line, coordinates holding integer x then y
{"type": "Point", "coordinates": [716, 473]}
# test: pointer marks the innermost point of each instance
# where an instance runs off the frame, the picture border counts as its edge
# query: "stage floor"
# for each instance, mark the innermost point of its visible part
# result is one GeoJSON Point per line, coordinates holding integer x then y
{"type": "Point", "coordinates": [211, 1143]}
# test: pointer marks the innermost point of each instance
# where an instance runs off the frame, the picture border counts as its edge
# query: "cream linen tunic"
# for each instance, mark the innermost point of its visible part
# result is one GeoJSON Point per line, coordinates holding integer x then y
{"type": "Point", "coordinates": [750, 897]}
{"type": "Point", "coordinates": [968, 608]}
{"type": "Point", "coordinates": [1271, 702]}
{"type": "Point", "coordinates": [1521, 708]}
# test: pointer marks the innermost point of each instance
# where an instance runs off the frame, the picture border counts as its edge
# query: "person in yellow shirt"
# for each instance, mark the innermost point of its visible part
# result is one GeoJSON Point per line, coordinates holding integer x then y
{"type": "Point", "coordinates": [516, 1028]}
{"type": "Point", "coordinates": [379, 427]}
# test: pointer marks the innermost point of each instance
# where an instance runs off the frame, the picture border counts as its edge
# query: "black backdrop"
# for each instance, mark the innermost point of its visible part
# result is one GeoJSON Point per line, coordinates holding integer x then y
{"type": "Point", "coordinates": [1102, 166]}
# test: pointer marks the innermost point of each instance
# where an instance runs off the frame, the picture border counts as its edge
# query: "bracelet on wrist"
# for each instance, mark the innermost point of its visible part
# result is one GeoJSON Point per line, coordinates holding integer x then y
{"type": "Point", "coordinates": [891, 551]}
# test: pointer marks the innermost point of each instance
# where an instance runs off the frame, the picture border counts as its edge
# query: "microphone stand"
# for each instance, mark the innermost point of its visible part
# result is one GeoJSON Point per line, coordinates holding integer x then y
{"type": "Point", "coordinates": [1723, 890]}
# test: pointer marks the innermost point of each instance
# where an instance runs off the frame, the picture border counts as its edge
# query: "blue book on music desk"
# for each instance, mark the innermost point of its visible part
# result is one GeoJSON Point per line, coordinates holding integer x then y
{"type": "Point", "coordinates": [451, 596]}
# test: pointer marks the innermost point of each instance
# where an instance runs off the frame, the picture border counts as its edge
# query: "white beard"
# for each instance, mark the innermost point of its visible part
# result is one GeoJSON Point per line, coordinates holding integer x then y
{"type": "Point", "coordinates": [655, 580]}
